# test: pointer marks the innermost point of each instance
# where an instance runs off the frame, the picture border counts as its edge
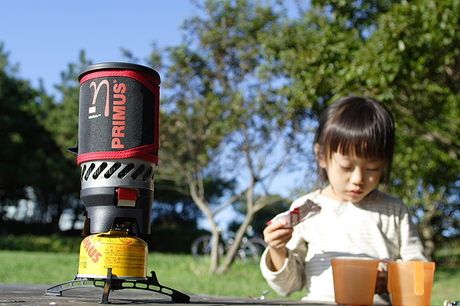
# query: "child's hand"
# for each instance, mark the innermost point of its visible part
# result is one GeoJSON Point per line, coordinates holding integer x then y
{"type": "Point", "coordinates": [276, 236]}
{"type": "Point", "coordinates": [381, 285]}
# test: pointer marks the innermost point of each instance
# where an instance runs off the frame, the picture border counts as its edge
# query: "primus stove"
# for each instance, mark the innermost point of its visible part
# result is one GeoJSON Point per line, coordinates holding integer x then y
{"type": "Point", "coordinates": [118, 141]}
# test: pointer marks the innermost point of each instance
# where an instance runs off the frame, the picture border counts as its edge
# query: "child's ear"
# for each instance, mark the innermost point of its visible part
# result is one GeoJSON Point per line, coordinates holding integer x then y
{"type": "Point", "coordinates": [320, 158]}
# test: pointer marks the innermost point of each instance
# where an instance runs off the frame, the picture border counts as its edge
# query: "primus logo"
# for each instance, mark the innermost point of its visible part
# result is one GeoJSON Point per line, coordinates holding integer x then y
{"type": "Point", "coordinates": [92, 252]}
{"type": "Point", "coordinates": [118, 109]}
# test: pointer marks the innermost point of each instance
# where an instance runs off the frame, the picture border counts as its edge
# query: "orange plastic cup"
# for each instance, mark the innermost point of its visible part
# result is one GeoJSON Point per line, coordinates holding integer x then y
{"type": "Point", "coordinates": [354, 280]}
{"type": "Point", "coordinates": [410, 283]}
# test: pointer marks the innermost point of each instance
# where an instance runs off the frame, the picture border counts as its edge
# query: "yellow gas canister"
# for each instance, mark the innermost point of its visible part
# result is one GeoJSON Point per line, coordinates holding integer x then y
{"type": "Point", "coordinates": [126, 255]}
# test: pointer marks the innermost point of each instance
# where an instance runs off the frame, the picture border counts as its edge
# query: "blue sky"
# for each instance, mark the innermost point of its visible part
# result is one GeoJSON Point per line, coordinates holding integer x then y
{"type": "Point", "coordinates": [44, 36]}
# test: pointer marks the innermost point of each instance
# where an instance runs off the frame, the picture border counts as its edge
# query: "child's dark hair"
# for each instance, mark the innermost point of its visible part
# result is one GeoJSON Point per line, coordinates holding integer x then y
{"type": "Point", "coordinates": [356, 126]}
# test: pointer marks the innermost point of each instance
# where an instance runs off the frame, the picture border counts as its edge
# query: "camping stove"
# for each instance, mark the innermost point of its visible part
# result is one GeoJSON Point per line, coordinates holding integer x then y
{"type": "Point", "coordinates": [117, 152]}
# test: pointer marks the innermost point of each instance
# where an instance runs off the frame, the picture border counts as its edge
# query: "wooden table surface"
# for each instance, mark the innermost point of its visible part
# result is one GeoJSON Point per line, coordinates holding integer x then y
{"type": "Point", "coordinates": [28, 294]}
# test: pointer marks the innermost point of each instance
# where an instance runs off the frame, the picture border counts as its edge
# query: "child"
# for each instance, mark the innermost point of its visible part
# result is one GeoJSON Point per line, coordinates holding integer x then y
{"type": "Point", "coordinates": [354, 147]}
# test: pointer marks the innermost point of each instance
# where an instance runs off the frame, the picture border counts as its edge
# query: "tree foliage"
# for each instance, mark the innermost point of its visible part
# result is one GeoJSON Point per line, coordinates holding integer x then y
{"type": "Point", "coordinates": [32, 165]}
{"type": "Point", "coordinates": [415, 71]}
{"type": "Point", "coordinates": [405, 54]}
{"type": "Point", "coordinates": [222, 117]}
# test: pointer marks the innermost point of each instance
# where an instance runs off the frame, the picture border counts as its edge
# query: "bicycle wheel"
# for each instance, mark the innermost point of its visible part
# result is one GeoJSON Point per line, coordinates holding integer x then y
{"type": "Point", "coordinates": [201, 248]}
{"type": "Point", "coordinates": [252, 249]}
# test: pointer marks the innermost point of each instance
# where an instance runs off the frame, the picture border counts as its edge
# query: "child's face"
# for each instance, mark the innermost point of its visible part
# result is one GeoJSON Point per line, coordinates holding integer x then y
{"type": "Point", "coordinates": [351, 178]}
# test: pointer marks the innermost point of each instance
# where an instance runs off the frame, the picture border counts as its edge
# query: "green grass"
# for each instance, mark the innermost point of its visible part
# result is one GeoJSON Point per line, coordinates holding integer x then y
{"type": "Point", "coordinates": [180, 272]}
{"type": "Point", "coordinates": [446, 285]}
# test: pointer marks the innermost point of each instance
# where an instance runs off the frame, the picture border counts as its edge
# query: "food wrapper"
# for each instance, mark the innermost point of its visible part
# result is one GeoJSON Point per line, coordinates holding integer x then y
{"type": "Point", "coordinates": [297, 214]}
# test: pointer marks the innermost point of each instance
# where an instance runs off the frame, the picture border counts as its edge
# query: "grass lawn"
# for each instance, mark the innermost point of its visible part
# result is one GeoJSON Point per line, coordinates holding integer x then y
{"type": "Point", "coordinates": [180, 272]}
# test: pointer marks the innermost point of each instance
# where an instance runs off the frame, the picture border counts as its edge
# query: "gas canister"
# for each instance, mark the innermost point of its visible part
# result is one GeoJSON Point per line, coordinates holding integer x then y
{"type": "Point", "coordinates": [126, 255]}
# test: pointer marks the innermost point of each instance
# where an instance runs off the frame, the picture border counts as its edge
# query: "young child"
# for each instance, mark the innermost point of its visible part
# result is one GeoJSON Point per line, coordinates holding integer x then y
{"type": "Point", "coordinates": [354, 147]}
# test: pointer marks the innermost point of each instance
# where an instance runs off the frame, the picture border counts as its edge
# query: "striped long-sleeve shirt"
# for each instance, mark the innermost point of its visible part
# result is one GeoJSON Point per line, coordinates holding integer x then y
{"type": "Point", "coordinates": [378, 227]}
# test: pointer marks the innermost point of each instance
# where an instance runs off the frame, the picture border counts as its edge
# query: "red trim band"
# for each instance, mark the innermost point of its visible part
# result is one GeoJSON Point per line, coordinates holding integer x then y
{"type": "Point", "coordinates": [142, 152]}
{"type": "Point", "coordinates": [144, 78]}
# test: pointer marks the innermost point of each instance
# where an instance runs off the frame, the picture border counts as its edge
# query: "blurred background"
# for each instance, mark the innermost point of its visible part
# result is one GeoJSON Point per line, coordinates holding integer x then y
{"type": "Point", "coordinates": [243, 83]}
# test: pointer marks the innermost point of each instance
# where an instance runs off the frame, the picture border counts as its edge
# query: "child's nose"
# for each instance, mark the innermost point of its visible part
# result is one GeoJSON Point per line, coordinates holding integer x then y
{"type": "Point", "coordinates": [357, 176]}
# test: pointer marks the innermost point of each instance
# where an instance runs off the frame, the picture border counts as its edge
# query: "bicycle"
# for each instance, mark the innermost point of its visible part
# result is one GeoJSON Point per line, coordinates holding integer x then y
{"type": "Point", "coordinates": [250, 248]}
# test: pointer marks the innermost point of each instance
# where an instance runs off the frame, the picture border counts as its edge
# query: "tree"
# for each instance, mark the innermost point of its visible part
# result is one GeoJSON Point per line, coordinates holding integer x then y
{"type": "Point", "coordinates": [62, 122]}
{"type": "Point", "coordinates": [31, 164]}
{"type": "Point", "coordinates": [310, 53]}
{"type": "Point", "coordinates": [262, 216]}
{"type": "Point", "coordinates": [360, 15]}
{"type": "Point", "coordinates": [222, 118]}
{"type": "Point", "coordinates": [14, 97]}
{"type": "Point", "coordinates": [173, 208]}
